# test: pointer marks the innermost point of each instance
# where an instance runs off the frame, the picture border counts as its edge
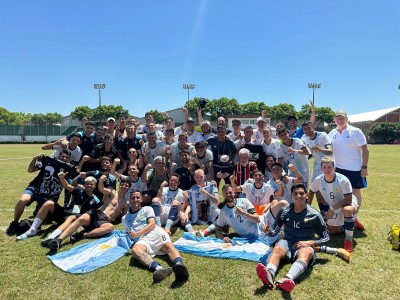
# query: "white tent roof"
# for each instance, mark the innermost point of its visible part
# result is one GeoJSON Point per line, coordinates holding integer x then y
{"type": "Point", "coordinates": [370, 116]}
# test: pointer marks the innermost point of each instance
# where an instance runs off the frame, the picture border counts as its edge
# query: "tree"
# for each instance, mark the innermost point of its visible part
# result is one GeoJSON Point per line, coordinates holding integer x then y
{"type": "Point", "coordinates": [102, 113]}
{"type": "Point", "coordinates": [253, 108]}
{"type": "Point", "coordinates": [323, 115]}
{"type": "Point", "coordinates": [82, 111]}
{"type": "Point", "coordinates": [384, 133]}
{"type": "Point", "coordinates": [222, 107]}
{"type": "Point", "coordinates": [159, 117]}
{"type": "Point", "coordinates": [282, 111]}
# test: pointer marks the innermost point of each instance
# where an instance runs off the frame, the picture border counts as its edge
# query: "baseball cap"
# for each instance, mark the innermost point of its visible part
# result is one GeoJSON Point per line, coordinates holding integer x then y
{"type": "Point", "coordinates": [205, 123]}
{"type": "Point", "coordinates": [292, 117]}
{"type": "Point", "coordinates": [260, 119]}
{"type": "Point", "coordinates": [340, 113]}
{"type": "Point", "coordinates": [111, 119]}
{"type": "Point", "coordinates": [190, 120]}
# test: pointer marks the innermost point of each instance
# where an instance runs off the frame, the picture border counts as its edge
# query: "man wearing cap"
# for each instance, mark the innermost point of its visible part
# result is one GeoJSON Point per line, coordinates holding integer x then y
{"type": "Point", "coordinates": [206, 130]}
{"type": "Point", "coordinates": [258, 134]}
{"type": "Point", "coordinates": [351, 154]}
{"type": "Point", "coordinates": [111, 126]}
{"type": "Point", "coordinates": [193, 135]}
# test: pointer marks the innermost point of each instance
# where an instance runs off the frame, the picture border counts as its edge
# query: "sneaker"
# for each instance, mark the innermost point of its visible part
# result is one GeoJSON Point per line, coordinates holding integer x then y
{"type": "Point", "coordinates": [55, 244]}
{"type": "Point", "coordinates": [343, 253]}
{"type": "Point", "coordinates": [286, 284]}
{"type": "Point", "coordinates": [348, 245]}
{"type": "Point", "coordinates": [45, 243]}
{"type": "Point", "coordinates": [358, 225]}
{"type": "Point", "coordinates": [12, 228]}
{"type": "Point", "coordinates": [161, 274]}
{"type": "Point", "coordinates": [265, 276]}
{"type": "Point", "coordinates": [76, 237]}
{"type": "Point", "coordinates": [181, 272]}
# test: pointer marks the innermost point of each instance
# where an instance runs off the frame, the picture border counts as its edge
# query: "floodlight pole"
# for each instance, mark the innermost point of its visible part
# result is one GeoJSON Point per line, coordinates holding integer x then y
{"type": "Point", "coordinates": [313, 86]}
{"type": "Point", "coordinates": [188, 87]}
{"type": "Point", "coordinates": [99, 86]}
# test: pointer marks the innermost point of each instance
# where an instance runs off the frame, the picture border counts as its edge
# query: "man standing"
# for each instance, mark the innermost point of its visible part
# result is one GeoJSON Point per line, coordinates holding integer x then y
{"type": "Point", "coordinates": [351, 154]}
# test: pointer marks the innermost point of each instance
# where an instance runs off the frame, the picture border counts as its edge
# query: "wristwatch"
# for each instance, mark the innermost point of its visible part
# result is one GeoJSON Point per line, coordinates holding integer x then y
{"type": "Point", "coordinates": [364, 167]}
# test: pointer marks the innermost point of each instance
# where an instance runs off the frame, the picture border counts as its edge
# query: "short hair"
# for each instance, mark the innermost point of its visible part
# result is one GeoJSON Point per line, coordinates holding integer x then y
{"type": "Point", "coordinates": [75, 134]}
{"type": "Point", "coordinates": [270, 155]}
{"type": "Point", "coordinates": [221, 127]}
{"type": "Point", "coordinates": [309, 123]}
{"type": "Point", "coordinates": [125, 179]}
{"type": "Point", "coordinates": [236, 121]}
{"type": "Point", "coordinates": [151, 134]}
{"type": "Point", "coordinates": [327, 160]}
{"type": "Point", "coordinates": [225, 187]}
{"type": "Point", "coordinates": [105, 157]}
{"type": "Point", "coordinates": [100, 128]}
{"type": "Point", "coordinates": [297, 186]}
{"type": "Point", "coordinates": [177, 176]}
{"type": "Point", "coordinates": [91, 179]}
{"type": "Point", "coordinates": [149, 113]}
{"type": "Point", "coordinates": [168, 118]}
{"type": "Point", "coordinates": [276, 164]}
{"type": "Point", "coordinates": [248, 127]}
{"type": "Point", "coordinates": [158, 158]}
{"type": "Point", "coordinates": [283, 130]}
{"type": "Point", "coordinates": [90, 123]}
{"type": "Point", "coordinates": [108, 136]}
{"type": "Point", "coordinates": [183, 134]}
{"type": "Point", "coordinates": [201, 144]}
{"type": "Point", "coordinates": [258, 171]}
{"type": "Point", "coordinates": [185, 151]}
{"type": "Point", "coordinates": [169, 130]}
{"type": "Point", "coordinates": [244, 151]}
{"type": "Point", "coordinates": [65, 151]}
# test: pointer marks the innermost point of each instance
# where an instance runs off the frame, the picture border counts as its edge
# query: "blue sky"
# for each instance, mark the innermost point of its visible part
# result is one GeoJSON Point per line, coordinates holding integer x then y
{"type": "Point", "coordinates": [52, 52]}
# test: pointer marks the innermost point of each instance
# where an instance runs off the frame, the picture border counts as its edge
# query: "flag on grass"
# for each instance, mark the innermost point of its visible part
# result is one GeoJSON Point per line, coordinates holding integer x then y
{"type": "Point", "coordinates": [93, 255]}
{"type": "Point", "coordinates": [239, 248]}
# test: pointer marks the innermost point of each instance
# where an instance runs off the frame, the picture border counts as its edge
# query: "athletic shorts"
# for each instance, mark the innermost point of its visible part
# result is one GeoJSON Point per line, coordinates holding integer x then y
{"type": "Point", "coordinates": [357, 182]}
{"type": "Point", "coordinates": [291, 253]}
{"type": "Point", "coordinates": [339, 217]}
{"type": "Point", "coordinates": [35, 196]}
{"type": "Point", "coordinates": [60, 214]}
{"type": "Point", "coordinates": [154, 240]}
{"type": "Point", "coordinates": [269, 218]}
{"type": "Point", "coordinates": [97, 218]}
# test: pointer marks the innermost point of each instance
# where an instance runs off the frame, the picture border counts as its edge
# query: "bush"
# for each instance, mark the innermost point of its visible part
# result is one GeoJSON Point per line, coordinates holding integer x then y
{"type": "Point", "coordinates": [384, 133]}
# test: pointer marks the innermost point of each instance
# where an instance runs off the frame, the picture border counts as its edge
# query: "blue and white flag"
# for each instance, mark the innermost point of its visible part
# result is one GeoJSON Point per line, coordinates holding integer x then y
{"type": "Point", "coordinates": [239, 248]}
{"type": "Point", "coordinates": [91, 256]}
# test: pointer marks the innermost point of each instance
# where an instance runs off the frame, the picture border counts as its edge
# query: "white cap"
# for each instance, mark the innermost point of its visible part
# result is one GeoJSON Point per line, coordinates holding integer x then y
{"type": "Point", "coordinates": [260, 119]}
{"type": "Point", "coordinates": [111, 119]}
{"type": "Point", "coordinates": [205, 123]}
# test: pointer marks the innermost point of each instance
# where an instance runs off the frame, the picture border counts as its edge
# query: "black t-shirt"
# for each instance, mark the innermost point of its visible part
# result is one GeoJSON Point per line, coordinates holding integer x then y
{"type": "Point", "coordinates": [125, 144]}
{"type": "Point", "coordinates": [218, 148]}
{"type": "Point", "coordinates": [257, 154]}
{"type": "Point", "coordinates": [110, 182]}
{"type": "Point", "coordinates": [47, 183]}
{"type": "Point", "coordinates": [86, 202]}
{"type": "Point", "coordinates": [187, 180]}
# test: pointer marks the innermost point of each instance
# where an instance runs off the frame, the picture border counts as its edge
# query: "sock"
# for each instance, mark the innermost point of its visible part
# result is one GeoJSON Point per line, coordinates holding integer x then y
{"type": "Point", "coordinates": [272, 268]}
{"type": "Point", "coordinates": [154, 266]}
{"type": "Point", "coordinates": [349, 228]}
{"type": "Point", "coordinates": [172, 216]}
{"type": "Point", "coordinates": [54, 234]}
{"type": "Point", "coordinates": [296, 269]}
{"type": "Point", "coordinates": [177, 260]}
{"type": "Point", "coordinates": [188, 226]}
{"type": "Point", "coordinates": [157, 211]}
{"type": "Point", "coordinates": [329, 250]}
{"type": "Point", "coordinates": [210, 229]}
{"type": "Point", "coordinates": [34, 227]}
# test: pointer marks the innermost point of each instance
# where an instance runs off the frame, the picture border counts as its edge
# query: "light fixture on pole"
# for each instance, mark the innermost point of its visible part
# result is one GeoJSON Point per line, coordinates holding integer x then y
{"type": "Point", "coordinates": [99, 86]}
{"type": "Point", "coordinates": [313, 86]}
{"type": "Point", "coordinates": [188, 87]}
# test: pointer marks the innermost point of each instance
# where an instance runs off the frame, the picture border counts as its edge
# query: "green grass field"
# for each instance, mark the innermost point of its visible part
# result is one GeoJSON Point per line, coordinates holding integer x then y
{"type": "Point", "coordinates": [26, 273]}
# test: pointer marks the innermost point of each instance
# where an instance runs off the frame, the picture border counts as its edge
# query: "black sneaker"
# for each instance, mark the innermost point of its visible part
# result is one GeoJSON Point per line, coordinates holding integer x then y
{"type": "Point", "coordinates": [161, 274]}
{"type": "Point", "coordinates": [181, 272]}
{"type": "Point", "coordinates": [12, 228]}
{"type": "Point", "coordinates": [76, 237]}
{"type": "Point", "coordinates": [55, 244]}
{"type": "Point", "coordinates": [45, 243]}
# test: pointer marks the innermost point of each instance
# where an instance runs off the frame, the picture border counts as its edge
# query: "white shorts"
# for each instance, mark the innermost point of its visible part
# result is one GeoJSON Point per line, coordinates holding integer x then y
{"type": "Point", "coordinates": [164, 216]}
{"type": "Point", "coordinates": [339, 220]}
{"type": "Point", "coordinates": [154, 240]}
{"type": "Point", "coordinates": [270, 219]}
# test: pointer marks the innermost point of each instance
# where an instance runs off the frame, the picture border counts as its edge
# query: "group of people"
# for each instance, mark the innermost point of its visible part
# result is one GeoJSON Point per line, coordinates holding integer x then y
{"type": "Point", "coordinates": [172, 177]}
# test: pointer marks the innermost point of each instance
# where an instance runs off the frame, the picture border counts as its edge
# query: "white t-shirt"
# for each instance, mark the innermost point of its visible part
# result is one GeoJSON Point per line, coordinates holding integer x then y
{"type": "Point", "coordinates": [75, 154]}
{"type": "Point", "coordinates": [346, 147]}
{"type": "Point", "coordinates": [257, 196]}
{"type": "Point", "coordinates": [274, 148]}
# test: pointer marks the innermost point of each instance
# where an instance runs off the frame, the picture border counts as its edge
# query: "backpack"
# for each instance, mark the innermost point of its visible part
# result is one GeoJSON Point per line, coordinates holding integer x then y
{"type": "Point", "coordinates": [394, 237]}
{"type": "Point", "coordinates": [23, 226]}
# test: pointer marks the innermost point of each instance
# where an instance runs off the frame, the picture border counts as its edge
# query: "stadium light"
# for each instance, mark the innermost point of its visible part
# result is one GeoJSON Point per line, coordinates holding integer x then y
{"type": "Point", "coordinates": [188, 87]}
{"type": "Point", "coordinates": [99, 86]}
{"type": "Point", "coordinates": [313, 86]}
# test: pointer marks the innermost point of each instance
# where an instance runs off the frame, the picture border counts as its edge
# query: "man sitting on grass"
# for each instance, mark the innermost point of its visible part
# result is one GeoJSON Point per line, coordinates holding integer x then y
{"type": "Point", "coordinates": [96, 222]}
{"type": "Point", "coordinates": [301, 223]}
{"type": "Point", "coordinates": [151, 240]}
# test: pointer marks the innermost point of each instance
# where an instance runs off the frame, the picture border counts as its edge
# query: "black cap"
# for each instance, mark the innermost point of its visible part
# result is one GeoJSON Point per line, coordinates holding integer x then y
{"type": "Point", "coordinates": [292, 117]}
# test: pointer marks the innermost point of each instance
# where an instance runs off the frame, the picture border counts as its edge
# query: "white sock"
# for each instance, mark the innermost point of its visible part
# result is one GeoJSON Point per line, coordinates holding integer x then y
{"type": "Point", "coordinates": [54, 234]}
{"type": "Point", "coordinates": [35, 225]}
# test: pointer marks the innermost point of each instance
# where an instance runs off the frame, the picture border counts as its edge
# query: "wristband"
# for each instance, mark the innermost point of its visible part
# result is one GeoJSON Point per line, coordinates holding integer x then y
{"type": "Point", "coordinates": [364, 167]}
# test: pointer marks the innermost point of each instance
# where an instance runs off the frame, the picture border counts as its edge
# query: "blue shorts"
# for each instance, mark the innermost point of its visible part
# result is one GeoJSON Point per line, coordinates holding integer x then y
{"type": "Point", "coordinates": [34, 196]}
{"type": "Point", "coordinates": [357, 182]}
{"type": "Point", "coordinates": [291, 253]}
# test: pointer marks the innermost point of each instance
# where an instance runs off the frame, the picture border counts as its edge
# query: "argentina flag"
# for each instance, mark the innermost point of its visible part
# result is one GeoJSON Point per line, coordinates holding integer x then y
{"type": "Point", "coordinates": [238, 248]}
{"type": "Point", "coordinates": [93, 255]}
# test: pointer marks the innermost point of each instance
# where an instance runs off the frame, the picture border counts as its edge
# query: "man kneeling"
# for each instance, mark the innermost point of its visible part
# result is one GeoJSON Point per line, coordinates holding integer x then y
{"type": "Point", "coordinates": [151, 240]}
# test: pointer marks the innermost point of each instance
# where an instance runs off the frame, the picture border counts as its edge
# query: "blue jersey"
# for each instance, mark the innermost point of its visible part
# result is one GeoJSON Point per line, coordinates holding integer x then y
{"type": "Point", "coordinates": [138, 220]}
{"type": "Point", "coordinates": [200, 204]}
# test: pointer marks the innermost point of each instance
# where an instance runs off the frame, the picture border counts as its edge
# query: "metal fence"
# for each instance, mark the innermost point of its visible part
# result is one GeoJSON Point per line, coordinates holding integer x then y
{"type": "Point", "coordinates": [36, 130]}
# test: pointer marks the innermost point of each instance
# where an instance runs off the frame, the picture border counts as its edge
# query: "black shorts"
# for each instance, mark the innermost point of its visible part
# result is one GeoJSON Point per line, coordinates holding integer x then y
{"type": "Point", "coordinates": [60, 214]}
{"type": "Point", "coordinates": [357, 182]}
{"type": "Point", "coordinates": [97, 218]}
